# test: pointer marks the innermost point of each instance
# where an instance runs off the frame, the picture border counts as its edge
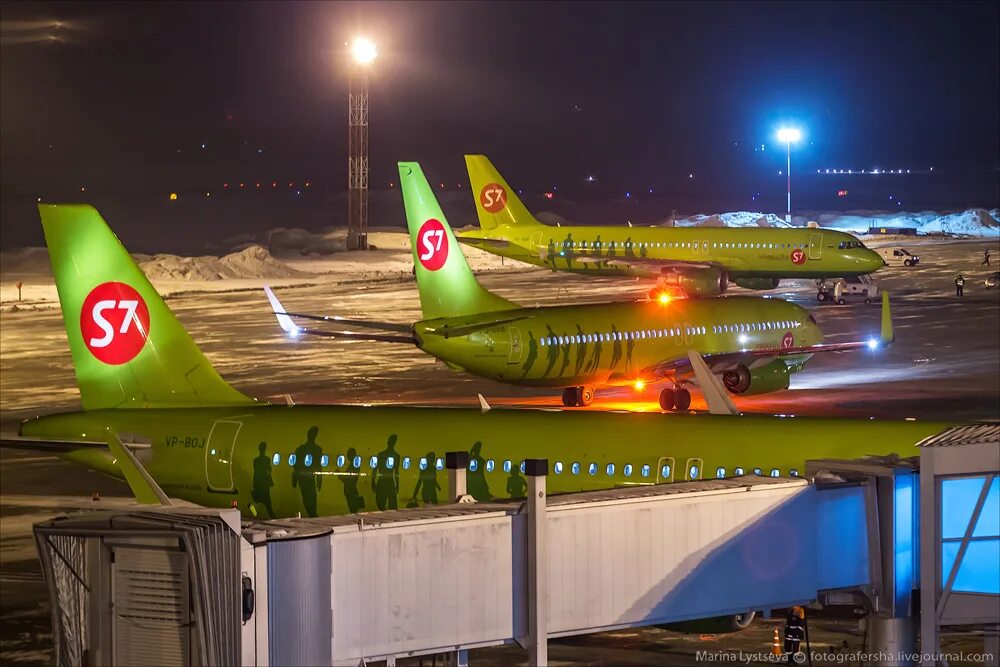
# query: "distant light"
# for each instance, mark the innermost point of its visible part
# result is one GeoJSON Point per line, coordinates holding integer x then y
{"type": "Point", "coordinates": [841, 193]}
{"type": "Point", "coordinates": [590, 179]}
{"type": "Point", "coordinates": [932, 168]}
{"type": "Point", "coordinates": [651, 191]}
{"type": "Point", "coordinates": [664, 298]}
{"type": "Point", "coordinates": [789, 135]}
{"type": "Point", "coordinates": [690, 175]}
{"type": "Point", "coordinates": [173, 196]}
{"type": "Point", "coordinates": [225, 186]}
{"type": "Point", "coordinates": [628, 194]}
{"type": "Point", "coordinates": [203, 146]}
{"type": "Point", "coordinates": [828, 171]}
{"type": "Point", "coordinates": [872, 343]}
{"type": "Point", "coordinates": [208, 194]}
{"type": "Point", "coordinates": [274, 184]}
{"type": "Point", "coordinates": [294, 332]}
{"type": "Point", "coordinates": [743, 338]}
{"type": "Point", "coordinates": [363, 51]}
{"type": "Point", "coordinates": [260, 151]}
{"type": "Point", "coordinates": [850, 171]}
{"type": "Point", "coordinates": [779, 172]}
{"type": "Point", "coordinates": [441, 185]}
{"type": "Point", "coordinates": [308, 183]}
{"type": "Point", "coordinates": [258, 184]}
{"type": "Point", "coordinates": [291, 184]}
{"type": "Point", "coordinates": [83, 189]}
{"type": "Point", "coordinates": [243, 185]}
{"type": "Point", "coordinates": [639, 385]}
{"type": "Point", "coordinates": [39, 199]}
{"type": "Point", "coordinates": [548, 195]}
{"type": "Point", "coordinates": [391, 184]}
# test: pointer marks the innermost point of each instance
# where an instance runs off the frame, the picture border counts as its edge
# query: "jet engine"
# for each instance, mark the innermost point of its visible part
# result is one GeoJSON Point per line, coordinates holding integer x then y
{"type": "Point", "coordinates": [698, 282]}
{"type": "Point", "coordinates": [745, 381]}
{"type": "Point", "coordinates": [757, 283]}
{"type": "Point", "coordinates": [713, 625]}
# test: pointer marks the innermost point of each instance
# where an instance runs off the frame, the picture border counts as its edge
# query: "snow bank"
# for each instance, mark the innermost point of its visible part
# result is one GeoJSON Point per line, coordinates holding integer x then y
{"type": "Point", "coordinates": [252, 262]}
{"type": "Point", "coordinates": [971, 222]}
{"type": "Point", "coordinates": [733, 219]}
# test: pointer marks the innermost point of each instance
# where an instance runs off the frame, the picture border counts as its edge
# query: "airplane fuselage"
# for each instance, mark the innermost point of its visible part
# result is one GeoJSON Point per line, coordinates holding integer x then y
{"type": "Point", "coordinates": [742, 252]}
{"type": "Point", "coordinates": [615, 343]}
{"type": "Point", "coordinates": [278, 461]}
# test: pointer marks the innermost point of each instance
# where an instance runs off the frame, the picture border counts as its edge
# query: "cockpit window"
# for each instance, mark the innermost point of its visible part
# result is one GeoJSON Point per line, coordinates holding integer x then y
{"type": "Point", "coordinates": [847, 245]}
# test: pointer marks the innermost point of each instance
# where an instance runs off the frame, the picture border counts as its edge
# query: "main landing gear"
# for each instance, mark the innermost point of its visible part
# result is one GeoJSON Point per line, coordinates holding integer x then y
{"type": "Point", "coordinates": [675, 398]}
{"type": "Point", "coordinates": [578, 396]}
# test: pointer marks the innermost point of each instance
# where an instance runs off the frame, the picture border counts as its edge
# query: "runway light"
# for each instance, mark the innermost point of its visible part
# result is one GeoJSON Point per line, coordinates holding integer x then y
{"type": "Point", "coordinates": [664, 298]}
{"type": "Point", "coordinates": [293, 332]}
{"type": "Point", "coordinates": [872, 343]}
{"type": "Point", "coordinates": [173, 196]}
{"type": "Point", "coordinates": [639, 385]}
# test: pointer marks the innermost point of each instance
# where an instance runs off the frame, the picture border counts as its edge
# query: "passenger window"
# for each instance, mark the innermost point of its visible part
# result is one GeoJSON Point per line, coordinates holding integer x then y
{"type": "Point", "coordinates": [356, 462]}
{"type": "Point", "coordinates": [473, 465]}
{"type": "Point", "coordinates": [291, 459]}
{"type": "Point", "coordinates": [793, 472]}
{"type": "Point", "coordinates": [693, 472]}
{"type": "Point", "coordinates": [665, 471]}
{"type": "Point", "coordinates": [373, 462]}
{"type": "Point", "coordinates": [558, 467]}
{"type": "Point", "coordinates": [341, 460]}
{"type": "Point", "coordinates": [627, 470]}
{"type": "Point", "coordinates": [324, 461]}
{"type": "Point", "coordinates": [439, 464]}
{"type": "Point", "coordinates": [423, 463]}
{"type": "Point", "coordinates": [738, 472]}
{"type": "Point", "coordinates": [490, 465]}
{"type": "Point", "coordinates": [390, 462]}
{"type": "Point", "coordinates": [276, 459]}
{"type": "Point", "coordinates": [522, 467]}
{"type": "Point", "coordinates": [720, 472]}
{"type": "Point", "coordinates": [592, 469]}
{"type": "Point", "coordinates": [645, 470]}
{"type": "Point", "coordinates": [610, 469]}
{"type": "Point", "coordinates": [506, 466]}
{"type": "Point", "coordinates": [575, 468]}
{"type": "Point", "coordinates": [774, 472]}
{"type": "Point", "coordinates": [756, 471]}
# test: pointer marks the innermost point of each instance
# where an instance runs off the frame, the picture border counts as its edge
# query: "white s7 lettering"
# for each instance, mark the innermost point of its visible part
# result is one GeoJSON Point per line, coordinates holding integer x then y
{"type": "Point", "coordinates": [99, 320]}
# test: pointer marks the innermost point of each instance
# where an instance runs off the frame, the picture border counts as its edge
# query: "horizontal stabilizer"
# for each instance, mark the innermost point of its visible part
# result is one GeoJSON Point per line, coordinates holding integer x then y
{"type": "Point", "coordinates": [465, 329]}
{"type": "Point", "coordinates": [30, 444]}
{"type": "Point", "coordinates": [498, 244]}
{"type": "Point", "coordinates": [286, 321]}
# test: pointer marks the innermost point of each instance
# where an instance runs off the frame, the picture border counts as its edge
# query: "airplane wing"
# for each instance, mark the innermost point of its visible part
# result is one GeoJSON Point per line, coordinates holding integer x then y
{"type": "Point", "coordinates": [761, 356]}
{"type": "Point", "coordinates": [286, 321]}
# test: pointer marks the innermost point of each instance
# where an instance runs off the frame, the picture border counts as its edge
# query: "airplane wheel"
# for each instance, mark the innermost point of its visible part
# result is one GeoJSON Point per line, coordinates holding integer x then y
{"type": "Point", "coordinates": [682, 399]}
{"type": "Point", "coordinates": [868, 301]}
{"type": "Point", "coordinates": [569, 397]}
{"type": "Point", "coordinates": [584, 396]}
{"type": "Point", "coordinates": [667, 399]}
{"type": "Point", "coordinates": [840, 302]}
{"type": "Point", "coordinates": [821, 296]}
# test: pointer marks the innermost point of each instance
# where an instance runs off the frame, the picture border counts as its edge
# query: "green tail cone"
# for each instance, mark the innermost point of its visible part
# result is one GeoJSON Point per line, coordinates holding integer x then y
{"type": "Point", "coordinates": [497, 204]}
{"type": "Point", "coordinates": [445, 282]}
{"type": "Point", "coordinates": [128, 348]}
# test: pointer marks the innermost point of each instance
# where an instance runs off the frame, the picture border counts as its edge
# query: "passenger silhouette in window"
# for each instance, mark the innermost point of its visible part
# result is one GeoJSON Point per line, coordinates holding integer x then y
{"type": "Point", "coordinates": [385, 477]}
{"type": "Point", "coordinates": [551, 252]}
{"type": "Point", "coordinates": [616, 347]}
{"type": "Point", "coordinates": [597, 250]}
{"type": "Point", "coordinates": [611, 249]}
{"type": "Point", "coordinates": [427, 484]}
{"type": "Point", "coordinates": [260, 491]}
{"type": "Point", "coordinates": [304, 473]}
{"type": "Point", "coordinates": [595, 358]}
{"type": "Point", "coordinates": [629, 347]}
{"type": "Point", "coordinates": [552, 352]}
{"type": "Point", "coordinates": [581, 350]}
{"type": "Point", "coordinates": [532, 354]}
{"type": "Point", "coordinates": [349, 476]}
{"type": "Point", "coordinates": [629, 251]}
{"type": "Point", "coordinates": [567, 247]}
{"type": "Point", "coordinates": [517, 486]}
{"type": "Point", "coordinates": [477, 485]}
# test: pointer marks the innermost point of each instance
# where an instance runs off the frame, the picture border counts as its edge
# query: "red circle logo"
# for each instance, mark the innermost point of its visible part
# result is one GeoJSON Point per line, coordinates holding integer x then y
{"type": "Point", "coordinates": [432, 245]}
{"type": "Point", "coordinates": [114, 322]}
{"type": "Point", "coordinates": [787, 340]}
{"type": "Point", "coordinates": [493, 197]}
{"type": "Point", "coordinates": [798, 256]}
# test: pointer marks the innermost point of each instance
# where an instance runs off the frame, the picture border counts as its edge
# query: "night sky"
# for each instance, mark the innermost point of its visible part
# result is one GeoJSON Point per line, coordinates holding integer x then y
{"type": "Point", "coordinates": [683, 99]}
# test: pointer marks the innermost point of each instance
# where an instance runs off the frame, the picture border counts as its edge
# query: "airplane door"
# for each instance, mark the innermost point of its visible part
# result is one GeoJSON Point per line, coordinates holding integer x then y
{"type": "Point", "coordinates": [515, 345]}
{"type": "Point", "coordinates": [534, 244]}
{"type": "Point", "coordinates": [815, 246]}
{"type": "Point", "coordinates": [665, 470]}
{"type": "Point", "coordinates": [219, 455]}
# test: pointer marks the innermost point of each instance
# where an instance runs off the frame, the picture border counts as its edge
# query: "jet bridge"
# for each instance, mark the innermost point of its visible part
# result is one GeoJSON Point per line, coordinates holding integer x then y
{"type": "Point", "coordinates": [387, 585]}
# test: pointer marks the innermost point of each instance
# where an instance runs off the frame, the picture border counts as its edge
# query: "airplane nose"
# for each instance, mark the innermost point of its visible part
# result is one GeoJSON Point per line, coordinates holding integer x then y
{"type": "Point", "coordinates": [872, 261]}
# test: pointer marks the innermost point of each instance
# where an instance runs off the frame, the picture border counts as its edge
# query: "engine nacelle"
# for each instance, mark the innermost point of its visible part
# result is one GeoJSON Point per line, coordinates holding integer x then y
{"type": "Point", "coordinates": [714, 625]}
{"type": "Point", "coordinates": [760, 380]}
{"type": "Point", "coordinates": [757, 283]}
{"type": "Point", "coordinates": [698, 282]}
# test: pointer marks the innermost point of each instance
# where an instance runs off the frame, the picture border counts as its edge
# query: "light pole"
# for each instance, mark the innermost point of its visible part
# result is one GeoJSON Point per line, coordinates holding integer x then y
{"type": "Point", "coordinates": [363, 54]}
{"type": "Point", "coordinates": [788, 135]}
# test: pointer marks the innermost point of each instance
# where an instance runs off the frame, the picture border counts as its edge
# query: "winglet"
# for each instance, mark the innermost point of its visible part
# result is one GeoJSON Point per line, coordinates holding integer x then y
{"type": "Point", "coordinates": [144, 487]}
{"type": "Point", "coordinates": [715, 394]}
{"type": "Point", "coordinates": [284, 321]}
{"type": "Point", "coordinates": [483, 405]}
{"type": "Point", "coordinates": [887, 336]}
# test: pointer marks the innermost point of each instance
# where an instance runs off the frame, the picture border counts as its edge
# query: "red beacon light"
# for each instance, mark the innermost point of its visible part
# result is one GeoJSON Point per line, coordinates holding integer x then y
{"type": "Point", "coordinates": [548, 195]}
{"type": "Point", "coordinates": [841, 193]}
{"type": "Point", "coordinates": [225, 186]}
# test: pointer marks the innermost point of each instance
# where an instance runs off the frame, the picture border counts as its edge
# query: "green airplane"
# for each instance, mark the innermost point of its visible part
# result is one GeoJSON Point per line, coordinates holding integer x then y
{"type": "Point", "coordinates": [691, 260]}
{"type": "Point", "coordinates": [753, 343]}
{"type": "Point", "coordinates": [156, 414]}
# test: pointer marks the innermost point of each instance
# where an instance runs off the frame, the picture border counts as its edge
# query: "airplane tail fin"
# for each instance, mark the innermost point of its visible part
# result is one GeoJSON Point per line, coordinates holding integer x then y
{"type": "Point", "coordinates": [497, 204]}
{"type": "Point", "coordinates": [444, 280]}
{"type": "Point", "coordinates": [129, 351]}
